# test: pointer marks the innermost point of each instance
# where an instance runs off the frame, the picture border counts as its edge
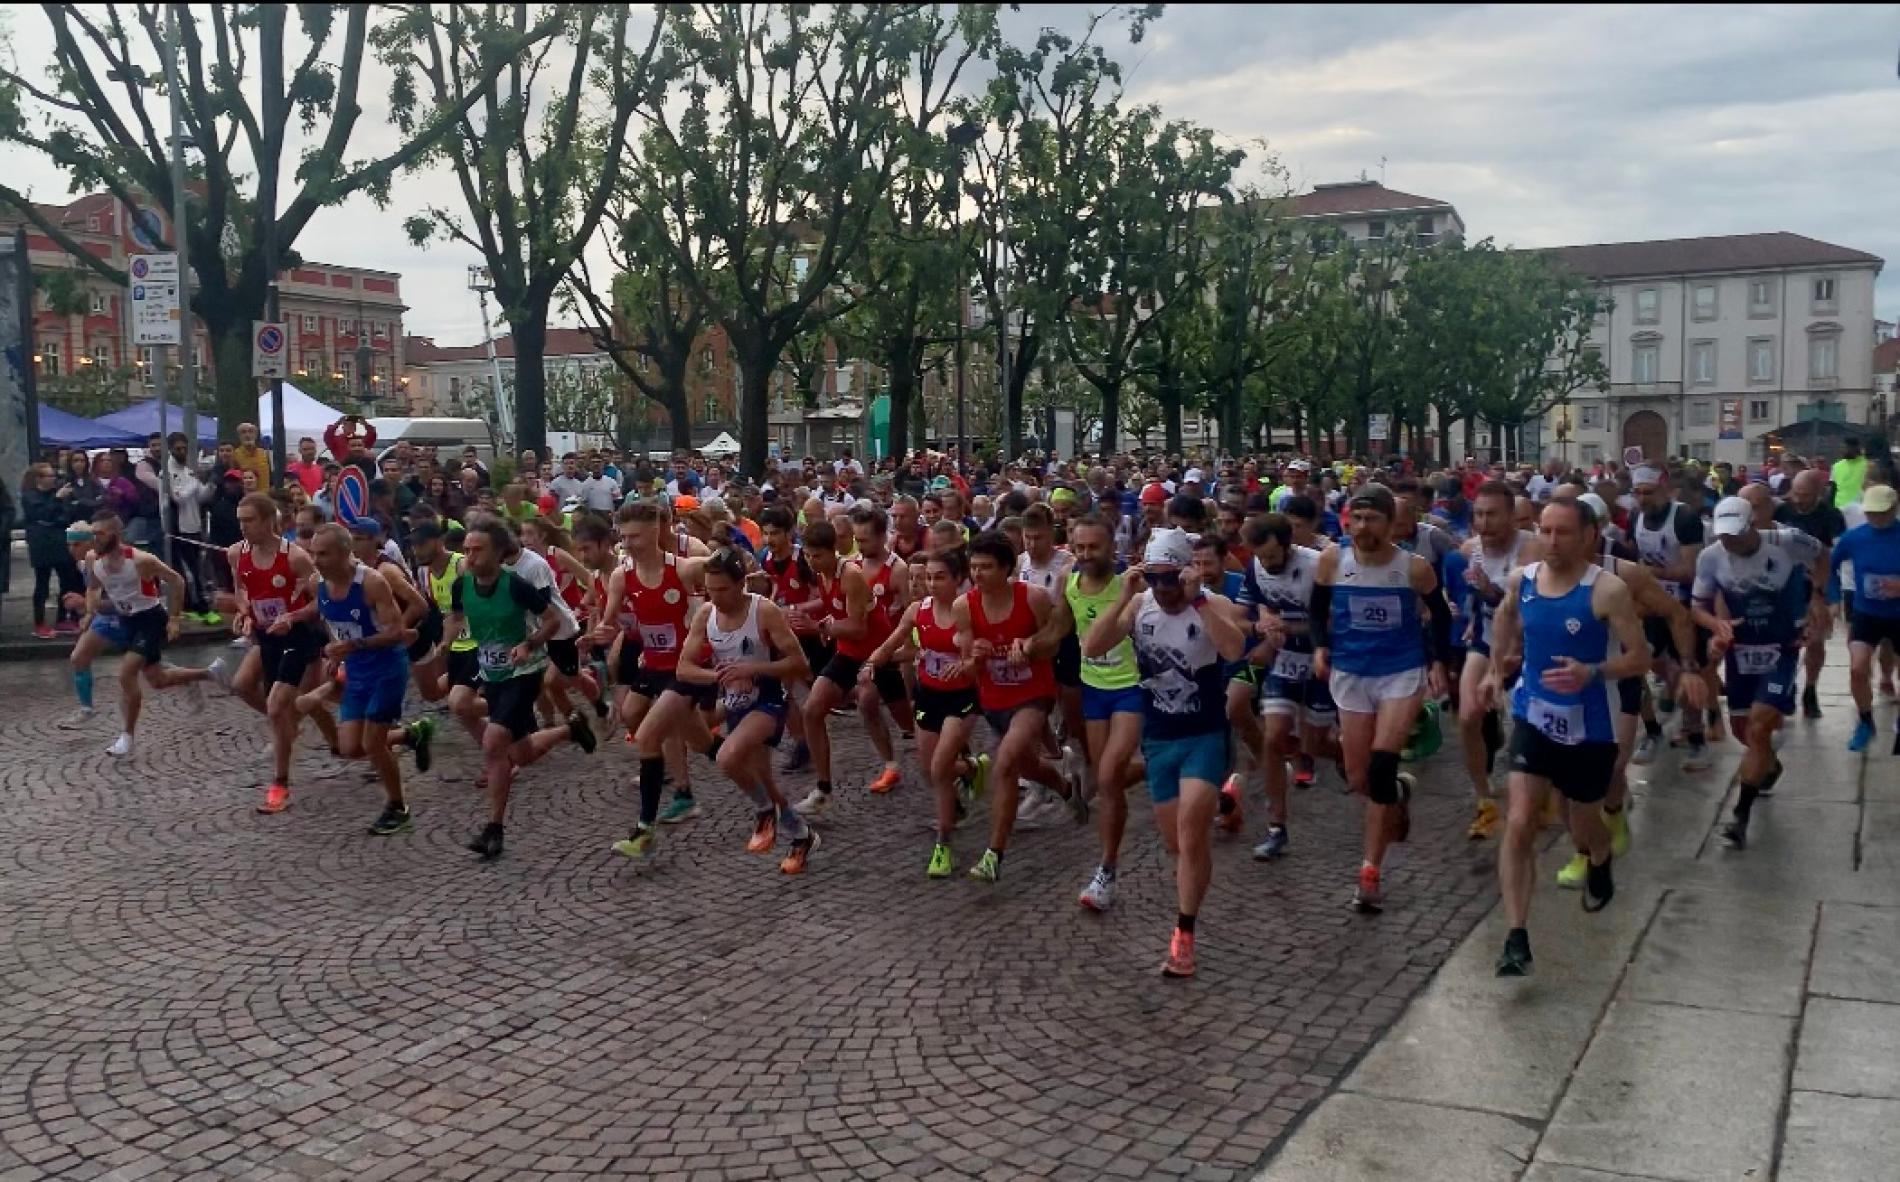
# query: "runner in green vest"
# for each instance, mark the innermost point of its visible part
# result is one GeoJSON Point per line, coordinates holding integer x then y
{"type": "Point", "coordinates": [493, 606]}
{"type": "Point", "coordinates": [442, 666]}
{"type": "Point", "coordinates": [1111, 694]}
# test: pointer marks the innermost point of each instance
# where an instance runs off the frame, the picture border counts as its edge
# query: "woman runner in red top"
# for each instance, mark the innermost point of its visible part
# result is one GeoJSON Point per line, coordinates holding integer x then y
{"type": "Point", "coordinates": [945, 697]}
{"type": "Point", "coordinates": [1003, 628]}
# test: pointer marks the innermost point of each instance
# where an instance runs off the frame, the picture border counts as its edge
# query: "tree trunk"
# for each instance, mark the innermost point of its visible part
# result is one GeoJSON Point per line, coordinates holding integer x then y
{"type": "Point", "coordinates": [1012, 437]}
{"type": "Point", "coordinates": [902, 367]}
{"type": "Point", "coordinates": [1168, 392]}
{"type": "Point", "coordinates": [530, 333]}
{"type": "Point", "coordinates": [1299, 430]}
{"type": "Point", "coordinates": [757, 359]}
{"type": "Point", "coordinates": [232, 395]}
{"type": "Point", "coordinates": [1111, 395]}
{"type": "Point", "coordinates": [1230, 416]}
{"type": "Point", "coordinates": [679, 421]}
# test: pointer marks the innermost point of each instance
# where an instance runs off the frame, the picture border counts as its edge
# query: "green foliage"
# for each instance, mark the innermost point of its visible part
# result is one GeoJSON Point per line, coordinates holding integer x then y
{"type": "Point", "coordinates": [89, 390]}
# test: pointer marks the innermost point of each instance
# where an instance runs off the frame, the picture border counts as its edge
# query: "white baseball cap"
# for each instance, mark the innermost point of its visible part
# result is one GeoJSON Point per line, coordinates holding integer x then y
{"type": "Point", "coordinates": [1168, 547]}
{"type": "Point", "coordinates": [1193, 474]}
{"type": "Point", "coordinates": [1733, 516]}
{"type": "Point", "coordinates": [1597, 507]}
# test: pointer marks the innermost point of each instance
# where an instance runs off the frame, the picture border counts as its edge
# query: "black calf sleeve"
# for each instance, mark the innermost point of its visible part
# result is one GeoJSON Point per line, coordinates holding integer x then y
{"type": "Point", "coordinates": [652, 777]}
{"type": "Point", "coordinates": [1382, 780]}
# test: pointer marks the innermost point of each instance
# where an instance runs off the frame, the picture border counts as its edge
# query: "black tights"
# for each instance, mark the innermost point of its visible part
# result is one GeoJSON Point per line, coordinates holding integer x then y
{"type": "Point", "coordinates": [69, 584]}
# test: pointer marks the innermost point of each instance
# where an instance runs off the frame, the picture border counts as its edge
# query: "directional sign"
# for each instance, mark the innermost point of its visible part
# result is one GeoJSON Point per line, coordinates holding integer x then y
{"type": "Point", "coordinates": [1377, 427]}
{"type": "Point", "coordinates": [352, 495]}
{"type": "Point", "coordinates": [267, 349]}
{"type": "Point", "coordinates": [155, 313]}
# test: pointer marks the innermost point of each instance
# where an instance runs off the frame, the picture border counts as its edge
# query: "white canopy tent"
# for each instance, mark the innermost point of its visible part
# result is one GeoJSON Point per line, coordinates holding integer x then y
{"type": "Point", "coordinates": [722, 446]}
{"type": "Point", "coordinates": [303, 415]}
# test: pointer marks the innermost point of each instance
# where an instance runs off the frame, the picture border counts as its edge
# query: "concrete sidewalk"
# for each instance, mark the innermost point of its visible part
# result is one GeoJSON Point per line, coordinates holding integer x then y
{"type": "Point", "coordinates": [1730, 1016]}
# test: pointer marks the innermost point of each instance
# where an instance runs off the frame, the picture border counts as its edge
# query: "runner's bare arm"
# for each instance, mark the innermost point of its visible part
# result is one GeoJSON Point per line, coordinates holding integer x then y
{"type": "Point", "coordinates": [790, 663]}
{"type": "Point", "coordinates": [1613, 604]}
{"type": "Point", "coordinates": [1042, 644]}
{"type": "Point", "coordinates": [1507, 633]}
{"type": "Point", "coordinates": [607, 624]}
{"type": "Point", "coordinates": [383, 605]}
{"type": "Point", "coordinates": [899, 636]}
{"type": "Point", "coordinates": [150, 567]}
{"type": "Point", "coordinates": [1112, 627]}
{"type": "Point", "coordinates": [689, 668]}
{"type": "Point", "coordinates": [857, 606]}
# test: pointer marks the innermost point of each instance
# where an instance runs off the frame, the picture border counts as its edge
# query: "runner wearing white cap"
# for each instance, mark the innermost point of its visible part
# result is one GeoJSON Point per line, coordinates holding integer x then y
{"type": "Point", "coordinates": [1669, 537]}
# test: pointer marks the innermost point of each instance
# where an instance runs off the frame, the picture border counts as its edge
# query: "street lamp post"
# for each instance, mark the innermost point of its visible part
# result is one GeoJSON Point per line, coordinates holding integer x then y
{"type": "Point", "coordinates": [481, 283]}
{"type": "Point", "coordinates": [960, 138]}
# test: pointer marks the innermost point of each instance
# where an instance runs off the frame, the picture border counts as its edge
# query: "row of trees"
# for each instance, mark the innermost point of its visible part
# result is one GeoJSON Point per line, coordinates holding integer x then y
{"type": "Point", "coordinates": [851, 177]}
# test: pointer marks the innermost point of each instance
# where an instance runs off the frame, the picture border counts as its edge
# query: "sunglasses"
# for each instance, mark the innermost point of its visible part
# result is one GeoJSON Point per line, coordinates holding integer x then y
{"type": "Point", "coordinates": [1164, 578]}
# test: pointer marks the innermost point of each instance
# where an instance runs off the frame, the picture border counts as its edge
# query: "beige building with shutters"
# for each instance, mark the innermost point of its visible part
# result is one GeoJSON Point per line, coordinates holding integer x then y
{"type": "Point", "coordinates": [1713, 343]}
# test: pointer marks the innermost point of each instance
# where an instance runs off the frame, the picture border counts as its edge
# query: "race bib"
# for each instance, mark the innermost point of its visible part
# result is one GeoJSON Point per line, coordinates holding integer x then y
{"type": "Point", "coordinates": [659, 638]}
{"type": "Point", "coordinates": [1558, 723]}
{"type": "Point", "coordinates": [1004, 673]}
{"type": "Point", "coordinates": [345, 630]}
{"type": "Point", "coordinates": [1292, 666]}
{"type": "Point", "coordinates": [936, 665]}
{"type": "Point", "coordinates": [739, 695]}
{"type": "Point", "coordinates": [1753, 660]}
{"type": "Point", "coordinates": [1377, 613]}
{"type": "Point", "coordinates": [268, 611]}
{"type": "Point", "coordinates": [496, 658]}
{"type": "Point", "coordinates": [1878, 587]}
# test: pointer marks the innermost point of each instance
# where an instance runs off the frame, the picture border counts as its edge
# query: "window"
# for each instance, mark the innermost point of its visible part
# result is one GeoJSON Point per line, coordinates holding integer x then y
{"type": "Point", "coordinates": [1757, 409]}
{"type": "Point", "coordinates": [1702, 451]}
{"type": "Point", "coordinates": [1702, 363]}
{"type": "Point", "coordinates": [1705, 306]}
{"type": "Point", "coordinates": [1761, 297]}
{"type": "Point", "coordinates": [1702, 413]}
{"type": "Point", "coordinates": [1761, 359]}
{"type": "Point", "coordinates": [1589, 416]}
{"type": "Point", "coordinates": [98, 303]}
{"type": "Point", "coordinates": [455, 389]}
{"type": "Point", "coordinates": [49, 359]}
{"type": "Point", "coordinates": [1375, 230]}
{"type": "Point", "coordinates": [102, 355]}
{"type": "Point", "coordinates": [1824, 358]}
{"type": "Point", "coordinates": [1645, 364]}
{"type": "Point", "coordinates": [379, 330]}
{"type": "Point", "coordinates": [348, 370]}
{"type": "Point", "coordinates": [1592, 454]}
{"type": "Point", "coordinates": [1823, 295]}
{"type": "Point", "coordinates": [711, 409]}
{"type": "Point", "coordinates": [309, 323]}
{"type": "Point", "coordinates": [1648, 310]}
{"type": "Point", "coordinates": [706, 360]}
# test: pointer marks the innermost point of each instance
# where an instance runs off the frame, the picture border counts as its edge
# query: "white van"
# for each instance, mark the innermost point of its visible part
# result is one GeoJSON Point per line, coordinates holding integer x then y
{"type": "Point", "coordinates": [447, 436]}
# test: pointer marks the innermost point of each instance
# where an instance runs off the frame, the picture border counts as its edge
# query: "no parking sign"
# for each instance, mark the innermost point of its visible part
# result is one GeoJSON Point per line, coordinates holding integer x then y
{"type": "Point", "coordinates": [267, 349]}
{"type": "Point", "coordinates": [352, 495]}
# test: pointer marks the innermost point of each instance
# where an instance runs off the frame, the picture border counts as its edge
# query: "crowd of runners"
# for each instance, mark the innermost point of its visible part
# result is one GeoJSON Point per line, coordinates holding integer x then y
{"type": "Point", "coordinates": [1051, 639]}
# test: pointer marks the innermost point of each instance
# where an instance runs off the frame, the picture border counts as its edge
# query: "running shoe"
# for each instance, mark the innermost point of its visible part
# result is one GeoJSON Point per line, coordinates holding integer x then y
{"type": "Point", "coordinates": [43, 632]}
{"type": "Point", "coordinates": [1032, 801]}
{"type": "Point", "coordinates": [1619, 825]}
{"type": "Point", "coordinates": [1886, 689]}
{"type": "Point", "coordinates": [1099, 894]}
{"type": "Point", "coordinates": [221, 674]}
{"type": "Point", "coordinates": [421, 734]}
{"type": "Point", "coordinates": [581, 732]}
{"type": "Point", "coordinates": [817, 804]}
{"type": "Point", "coordinates": [121, 747]}
{"type": "Point", "coordinates": [1273, 847]}
{"type": "Point", "coordinates": [979, 777]}
{"type": "Point", "coordinates": [942, 865]}
{"type": "Point", "coordinates": [1810, 703]}
{"type": "Point", "coordinates": [1077, 803]}
{"type": "Point", "coordinates": [77, 720]}
{"type": "Point", "coordinates": [684, 807]}
{"type": "Point", "coordinates": [1574, 871]}
{"type": "Point", "coordinates": [1698, 759]}
{"type": "Point", "coordinates": [799, 760]}
{"type": "Point", "coordinates": [887, 780]}
{"type": "Point", "coordinates": [1599, 887]}
{"type": "Point", "coordinates": [795, 861]}
{"type": "Point", "coordinates": [1645, 750]}
{"type": "Point", "coordinates": [66, 628]}
{"type": "Point", "coordinates": [1515, 960]}
{"type": "Point", "coordinates": [1180, 961]}
{"type": "Point", "coordinates": [210, 619]}
{"type": "Point", "coordinates": [393, 819]}
{"type": "Point", "coordinates": [1773, 777]}
{"type": "Point", "coordinates": [1485, 823]}
{"type": "Point", "coordinates": [1302, 771]}
{"type": "Point", "coordinates": [276, 799]}
{"type": "Point", "coordinates": [1863, 736]}
{"type": "Point", "coordinates": [988, 868]}
{"type": "Point", "coordinates": [1427, 734]}
{"type": "Point", "coordinates": [1230, 819]}
{"type": "Point", "coordinates": [487, 843]}
{"type": "Point", "coordinates": [1367, 896]}
{"type": "Point", "coordinates": [639, 844]}
{"type": "Point", "coordinates": [1735, 834]}
{"type": "Point", "coordinates": [764, 833]}
{"type": "Point", "coordinates": [1075, 767]}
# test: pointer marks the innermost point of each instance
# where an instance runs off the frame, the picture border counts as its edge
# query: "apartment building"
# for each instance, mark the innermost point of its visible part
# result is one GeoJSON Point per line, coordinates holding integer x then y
{"type": "Point", "coordinates": [1713, 344]}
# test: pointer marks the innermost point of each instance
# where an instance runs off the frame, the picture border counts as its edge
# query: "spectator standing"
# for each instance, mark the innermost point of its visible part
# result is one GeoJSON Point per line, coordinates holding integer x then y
{"type": "Point", "coordinates": [45, 515]}
{"type": "Point", "coordinates": [306, 469]}
{"type": "Point", "coordinates": [247, 455]}
{"type": "Point", "coordinates": [188, 495]}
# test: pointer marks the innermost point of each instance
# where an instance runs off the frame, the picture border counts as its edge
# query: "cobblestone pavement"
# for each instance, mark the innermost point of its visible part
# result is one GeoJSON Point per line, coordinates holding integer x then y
{"type": "Point", "coordinates": [194, 990]}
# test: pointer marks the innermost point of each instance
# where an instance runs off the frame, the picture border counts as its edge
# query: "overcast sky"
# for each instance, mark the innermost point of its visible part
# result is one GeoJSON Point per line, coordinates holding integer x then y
{"type": "Point", "coordinates": [1544, 126]}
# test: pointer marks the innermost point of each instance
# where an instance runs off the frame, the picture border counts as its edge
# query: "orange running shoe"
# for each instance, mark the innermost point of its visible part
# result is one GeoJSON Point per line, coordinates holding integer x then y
{"type": "Point", "coordinates": [1230, 819]}
{"type": "Point", "coordinates": [887, 779]}
{"type": "Point", "coordinates": [276, 799]}
{"type": "Point", "coordinates": [764, 835]}
{"type": "Point", "coordinates": [1180, 962]}
{"type": "Point", "coordinates": [794, 862]}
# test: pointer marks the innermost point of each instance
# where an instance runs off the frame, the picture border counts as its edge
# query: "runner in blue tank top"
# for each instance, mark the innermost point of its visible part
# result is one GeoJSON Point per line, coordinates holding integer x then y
{"type": "Point", "coordinates": [1571, 630]}
{"type": "Point", "coordinates": [367, 641]}
{"type": "Point", "coordinates": [1367, 644]}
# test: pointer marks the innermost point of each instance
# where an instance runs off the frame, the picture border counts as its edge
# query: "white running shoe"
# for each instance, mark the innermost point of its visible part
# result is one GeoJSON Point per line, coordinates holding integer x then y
{"type": "Point", "coordinates": [242, 642]}
{"type": "Point", "coordinates": [121, 747]}
{"type": "Point", "coordinates": [220, 671]}
{"type": "Point", "coordinates": [1099, 894]}
{"type": "Point", "coordinates": [815, 805]}
{"type": "Point", "coordinates": [1032, 803]}
{"type": "Point", "coordinates": [79, 719]}
{"type": "Point", "coordinates": [1075, 769]}
{"type": "Point", "coordinates": [1645, 751]}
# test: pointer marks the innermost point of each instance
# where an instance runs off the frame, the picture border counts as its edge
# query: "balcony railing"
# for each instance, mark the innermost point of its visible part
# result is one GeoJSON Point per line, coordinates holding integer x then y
{"type": "Point", "coordinates": [1645, 389]}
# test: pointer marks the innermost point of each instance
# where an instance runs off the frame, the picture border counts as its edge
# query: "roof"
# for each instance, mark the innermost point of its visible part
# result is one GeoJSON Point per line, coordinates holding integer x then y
{"type": "Point", "coordinates": [561, 342]}
{"type": "Point", "coordinates": [1359, 197]}
{"type": "Point", "coordinates": [1887, 356]}
{"type": "Point", "coordinates": [1729, 252]}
